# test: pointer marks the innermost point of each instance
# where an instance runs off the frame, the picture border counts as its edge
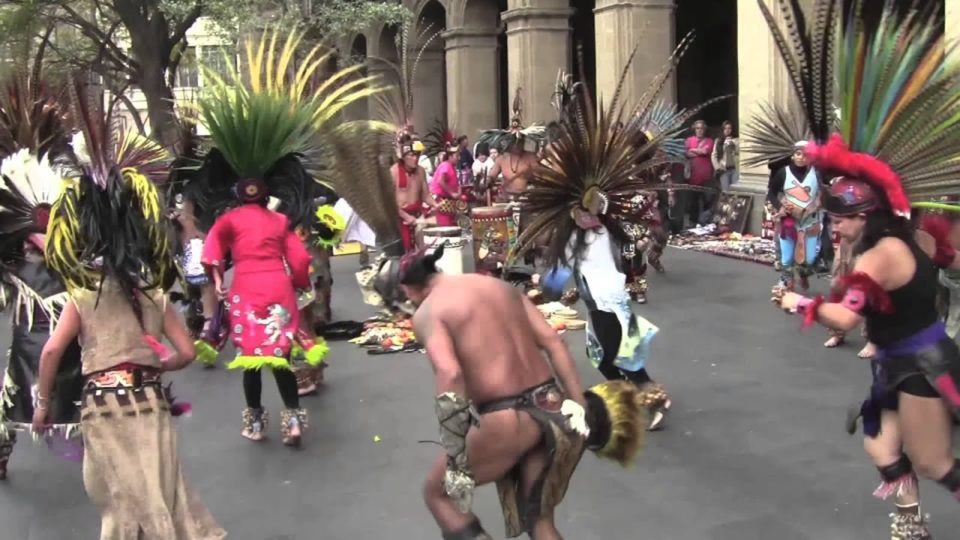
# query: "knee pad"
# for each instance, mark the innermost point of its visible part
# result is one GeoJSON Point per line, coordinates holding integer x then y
{"type": "Point", "coordinates": [896, 470]}
{"type": "Point", "coordinates": [951, 480]}
{"type": "Point", "coordinates": [898, 478]}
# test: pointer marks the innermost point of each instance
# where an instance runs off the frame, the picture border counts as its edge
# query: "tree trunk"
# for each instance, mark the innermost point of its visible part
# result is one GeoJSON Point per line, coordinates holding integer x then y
{"type": "Point", "coordinates": [160, 105]}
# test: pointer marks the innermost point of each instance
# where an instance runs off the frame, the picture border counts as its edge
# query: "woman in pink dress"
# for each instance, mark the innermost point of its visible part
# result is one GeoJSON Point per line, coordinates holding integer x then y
{"type": "Point", "coordinates": [270, 262]}
{"type": "Point", "coordinates": [445, 186]}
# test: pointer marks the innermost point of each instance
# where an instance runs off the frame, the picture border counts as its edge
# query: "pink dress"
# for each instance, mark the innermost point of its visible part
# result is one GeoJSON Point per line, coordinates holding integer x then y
{"type": "Point", "coordinates": [445, 174]}
{"type": "Point", "coordinates": [269, 263]}
{"type": "Point", "coordinates": [701, 167]}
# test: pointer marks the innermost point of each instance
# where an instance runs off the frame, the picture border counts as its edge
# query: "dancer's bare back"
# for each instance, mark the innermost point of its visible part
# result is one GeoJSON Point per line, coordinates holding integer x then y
{"type": "Point", "coordinates": [490, 333]}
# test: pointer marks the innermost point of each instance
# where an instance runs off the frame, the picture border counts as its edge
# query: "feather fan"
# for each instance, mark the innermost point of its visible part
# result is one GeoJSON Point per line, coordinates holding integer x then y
{"type": "Point", "coordinates": [596, 155]}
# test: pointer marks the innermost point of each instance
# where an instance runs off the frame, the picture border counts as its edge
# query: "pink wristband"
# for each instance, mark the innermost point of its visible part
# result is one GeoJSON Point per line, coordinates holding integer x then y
{"type": "Point", "coordinates": [807, 308]}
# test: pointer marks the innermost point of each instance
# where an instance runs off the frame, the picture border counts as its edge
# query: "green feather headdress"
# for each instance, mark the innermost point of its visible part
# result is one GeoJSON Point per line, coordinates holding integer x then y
{"type": "Point", "coordinates": [276, 120]}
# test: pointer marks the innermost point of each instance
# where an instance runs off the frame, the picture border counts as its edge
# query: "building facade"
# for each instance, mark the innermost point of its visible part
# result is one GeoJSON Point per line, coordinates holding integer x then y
{"type": "Point", "coordinates": [487, 49]}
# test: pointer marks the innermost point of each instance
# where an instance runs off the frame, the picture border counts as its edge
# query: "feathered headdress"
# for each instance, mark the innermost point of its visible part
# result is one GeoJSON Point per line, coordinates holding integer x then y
{"type": "Point", "coordinates": [897, 97]}
{"type": "Point", "coordinates": [597, 163]}
{"type": "Point", "coordinates": [396, 104]}
{"type": "Point", "coordinates": [110, 222]}
{"type": "Point", "coordinates": [33, 139]}
{"type": "Point", "coordinates": [438, 139]}
{"type": "Point", "coordinates": [272, 124]}
{"type": "Point", "coordinates": [503, 139]}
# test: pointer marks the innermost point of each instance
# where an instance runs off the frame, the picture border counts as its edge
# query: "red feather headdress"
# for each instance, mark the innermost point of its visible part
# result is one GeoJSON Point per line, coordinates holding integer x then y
{"type": "Point", "coordinates": [835, 157]}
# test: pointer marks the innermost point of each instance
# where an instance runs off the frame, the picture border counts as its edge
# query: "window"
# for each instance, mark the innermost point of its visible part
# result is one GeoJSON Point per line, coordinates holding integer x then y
{"type": "Point", "coordinates": [187, 72]}
{"type": "Point", "coordinates": [218, 59]}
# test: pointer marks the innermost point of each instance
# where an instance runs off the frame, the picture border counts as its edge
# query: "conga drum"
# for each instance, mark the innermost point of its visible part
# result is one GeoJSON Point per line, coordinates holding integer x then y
{"type": "Point", "coordinates": [452, 260]}
{"type": "Point", "coordinates": [494, 234]}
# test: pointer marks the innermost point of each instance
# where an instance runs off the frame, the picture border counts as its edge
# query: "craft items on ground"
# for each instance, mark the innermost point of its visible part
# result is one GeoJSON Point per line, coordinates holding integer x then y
{"type": "Point", "coordinates": [738, 246]}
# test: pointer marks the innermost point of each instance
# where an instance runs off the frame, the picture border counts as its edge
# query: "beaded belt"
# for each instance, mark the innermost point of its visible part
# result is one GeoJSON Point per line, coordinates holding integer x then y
{"type": "Point", "coordinates": [119, 379]}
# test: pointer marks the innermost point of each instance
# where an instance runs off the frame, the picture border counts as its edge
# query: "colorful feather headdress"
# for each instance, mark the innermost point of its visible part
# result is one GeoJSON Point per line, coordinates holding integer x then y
{"type": "Point", "coordinates": [109, 222]}
{"type": "Point", "coordinates": [396, 105]}
{"type": "Point", "coordinates": [598, 161]}
{"type": "Point", "coordinates": [503, 139]}
{"type": "Point", "coordinates": [33, 141]}
{"type": "Point", "coordinates": [272, 125]}
{"type": "Point", "coordinates": [897, 99]}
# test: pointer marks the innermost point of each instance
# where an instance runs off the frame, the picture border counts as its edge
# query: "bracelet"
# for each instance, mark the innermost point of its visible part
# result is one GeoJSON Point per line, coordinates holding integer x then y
{"type": "Point", "coordinates": [807, 308]}
{"type": "Point", "coordinates": [41, 402]}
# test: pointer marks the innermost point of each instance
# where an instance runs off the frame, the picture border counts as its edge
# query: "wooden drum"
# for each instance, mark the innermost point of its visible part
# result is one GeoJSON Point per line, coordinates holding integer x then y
{"type": "Point", "coordinates": [452, 260]}
{"type": "Point", "coordinates": [494, 234]}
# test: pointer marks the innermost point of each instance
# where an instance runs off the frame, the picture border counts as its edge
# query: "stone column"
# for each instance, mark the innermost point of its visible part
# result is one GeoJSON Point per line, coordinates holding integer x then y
{"type": "Point", "coordinates": [473, 86]}
{"type": "Point", "coordinates": [758, 67]}
{"type": "Point", "coordinates": [622, 25]}
{"type": "Point", "coordinates": [429, 90]}
{"type": "Point", "coordinates": [538, 44]}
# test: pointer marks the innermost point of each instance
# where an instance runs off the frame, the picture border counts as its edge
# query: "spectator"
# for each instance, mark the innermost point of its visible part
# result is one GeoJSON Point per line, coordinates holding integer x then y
{"type": "Point", "coordinates": [726, 154]}
{"type": "Point", "coordinates": [700, 173]}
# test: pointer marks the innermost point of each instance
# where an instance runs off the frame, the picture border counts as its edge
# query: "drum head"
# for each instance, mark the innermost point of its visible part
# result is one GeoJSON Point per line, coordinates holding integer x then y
{"type": "Point", "coordinates": [443, 231]}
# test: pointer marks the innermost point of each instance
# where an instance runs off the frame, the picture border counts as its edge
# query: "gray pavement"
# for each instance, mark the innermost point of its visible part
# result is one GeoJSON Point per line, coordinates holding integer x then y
{"type": "Point", "coordinates": [754, 448]}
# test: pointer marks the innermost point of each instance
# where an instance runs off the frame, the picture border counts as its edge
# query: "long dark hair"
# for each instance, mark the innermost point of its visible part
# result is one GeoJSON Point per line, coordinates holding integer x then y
{"type": "Point", "coordinates": [883, 223]}
{"type": "Point", "coordinates": [718, 142]}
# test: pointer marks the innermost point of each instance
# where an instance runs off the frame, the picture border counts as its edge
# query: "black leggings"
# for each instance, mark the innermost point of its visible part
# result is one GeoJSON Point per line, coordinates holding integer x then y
{"type": "Point", "coordinates": [286, 383]}
{"type": "Point", "coordinates": [606, 326]}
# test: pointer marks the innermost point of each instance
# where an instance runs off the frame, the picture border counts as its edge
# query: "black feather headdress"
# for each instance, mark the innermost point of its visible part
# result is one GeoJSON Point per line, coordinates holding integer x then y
{"type": "Point", "coordinates": [598, 161]}
{"type": "Point", "coordinates": [109, 223]}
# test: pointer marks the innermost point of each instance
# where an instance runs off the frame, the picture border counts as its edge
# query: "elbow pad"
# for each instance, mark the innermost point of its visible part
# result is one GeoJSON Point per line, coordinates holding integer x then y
{"type": "Point", "coordinates": [456, 416]}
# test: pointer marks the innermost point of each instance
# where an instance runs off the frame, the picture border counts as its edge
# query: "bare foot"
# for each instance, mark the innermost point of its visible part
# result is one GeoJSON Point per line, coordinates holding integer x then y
{"type": "Point", "coordinates": [868, 351]}
{"type": "Point", "coordinates": [834, 341]}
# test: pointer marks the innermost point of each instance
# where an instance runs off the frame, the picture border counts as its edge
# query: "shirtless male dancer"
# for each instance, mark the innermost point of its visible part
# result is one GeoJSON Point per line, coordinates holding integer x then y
{"type": "Point", "coordinates": [532, 420]}
{"type": "Point", "coordinates": [412, 192]}
{"type": "Point", "coordinates": [515, 165]}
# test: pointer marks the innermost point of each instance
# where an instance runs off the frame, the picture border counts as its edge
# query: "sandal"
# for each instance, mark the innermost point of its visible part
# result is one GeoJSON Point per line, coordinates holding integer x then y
{"type": "Point", "coordinates": [868, 351]}
{"type": "Point", "coordinates": [254, 424]}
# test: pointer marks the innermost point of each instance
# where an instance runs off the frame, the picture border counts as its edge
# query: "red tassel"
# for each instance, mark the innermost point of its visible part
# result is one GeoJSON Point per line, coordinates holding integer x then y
{"type": "Point", "coordinates": [810, 312]}
{"type": "Point", "coordinates": [876, 296]}
{"type": "Point", "coordinates": [835, 156]}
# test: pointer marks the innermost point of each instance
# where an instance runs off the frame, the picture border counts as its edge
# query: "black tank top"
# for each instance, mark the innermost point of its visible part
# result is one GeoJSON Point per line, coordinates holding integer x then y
{"type": "Point", "coordinates": [914, 305]}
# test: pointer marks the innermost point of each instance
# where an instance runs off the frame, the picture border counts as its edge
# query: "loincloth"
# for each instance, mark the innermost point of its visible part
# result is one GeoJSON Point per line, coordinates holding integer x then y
{"type": "Point", "coordinates": [564, 448]}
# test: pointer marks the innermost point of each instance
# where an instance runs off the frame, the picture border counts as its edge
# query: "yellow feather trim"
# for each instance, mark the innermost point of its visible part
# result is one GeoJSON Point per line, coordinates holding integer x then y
{"type": "Point", "coordinates": [258, 362]}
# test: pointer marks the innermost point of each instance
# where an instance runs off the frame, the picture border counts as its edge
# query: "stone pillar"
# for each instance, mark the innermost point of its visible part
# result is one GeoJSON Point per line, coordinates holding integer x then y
{"type": "Point", "coordinates": [538, 44]}
{"type": "Point", "coordinates": [429, 90]}
{"type": "Point", "coordinates": [758, 78]}
{"type": "Point", "coordinates": [473, 86]}
{"type": "Point", "coordinates": [622, 25]}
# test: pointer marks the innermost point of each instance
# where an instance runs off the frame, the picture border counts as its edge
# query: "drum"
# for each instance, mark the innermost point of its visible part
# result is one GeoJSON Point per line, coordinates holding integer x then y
{"type": "Point", "coordinates": [452, 260]}
{"type": "Point", "coordinates": [494, 234]}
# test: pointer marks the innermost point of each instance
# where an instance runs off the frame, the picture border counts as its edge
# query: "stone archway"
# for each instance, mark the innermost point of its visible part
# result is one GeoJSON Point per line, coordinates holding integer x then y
{"type": "Point", "coordinates": [429, 85]}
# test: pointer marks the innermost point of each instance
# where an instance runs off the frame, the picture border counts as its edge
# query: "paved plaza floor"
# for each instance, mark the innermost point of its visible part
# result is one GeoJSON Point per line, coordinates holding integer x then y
{"type": "Point", "coordinates": [754, 447]}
